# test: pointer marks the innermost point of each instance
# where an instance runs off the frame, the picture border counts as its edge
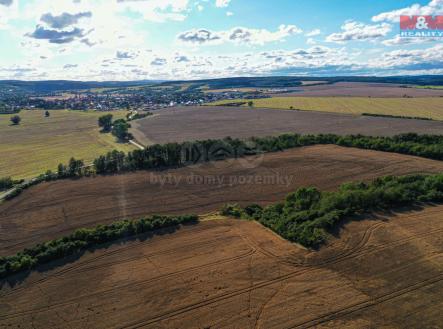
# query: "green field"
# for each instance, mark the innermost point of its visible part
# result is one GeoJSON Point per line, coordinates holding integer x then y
{"type": "Point", "coordinates": [40, 143]}
{"type": "Point", "coordinates": [429, 87]}
{"type": "Point", "coordinates": [426, 107]}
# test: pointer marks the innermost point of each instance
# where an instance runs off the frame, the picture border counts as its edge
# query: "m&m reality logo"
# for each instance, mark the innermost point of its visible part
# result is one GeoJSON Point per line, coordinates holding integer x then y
{"type": "Point", "coordinates": [421, 26]}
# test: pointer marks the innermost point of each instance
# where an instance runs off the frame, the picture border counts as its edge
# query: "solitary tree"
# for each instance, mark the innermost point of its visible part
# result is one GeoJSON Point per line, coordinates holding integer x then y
{"type": "Point", "coordinates": [250, 103]}
{"type": "Point", "coordinates": [16, 120]}
{"type": "Point", "coordinates": [105, 122]}
{"type": "Point", "coordinates": [120, 129]}
{"type": "Point", "coordinates": [47, 114]}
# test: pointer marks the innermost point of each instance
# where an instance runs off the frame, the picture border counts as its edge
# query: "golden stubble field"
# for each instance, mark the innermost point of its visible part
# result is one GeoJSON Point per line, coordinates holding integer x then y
{"type": "Point", "coordinates": [423, 107]}
{"type": "Point", "coordinates": [51, 210]}
{"type": "Point", "coordinates": [41, 143]}
{"type": "Point", "coordinates": [384, 271]}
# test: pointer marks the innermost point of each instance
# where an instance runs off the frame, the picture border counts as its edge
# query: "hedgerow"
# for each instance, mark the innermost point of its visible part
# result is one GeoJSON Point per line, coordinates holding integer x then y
{"type": "Point", "coordinates": [85, 238]}
{"type": "Point", "coordinates": [182, 154]}
{"type": "Point", "coordinates": [177, 155]}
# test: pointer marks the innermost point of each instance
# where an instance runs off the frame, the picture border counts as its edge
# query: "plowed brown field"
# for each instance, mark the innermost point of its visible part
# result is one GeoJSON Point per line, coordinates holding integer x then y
{"type": "Point", "coordinates": [381, 272]}
{"type": "Point", "coordinates": [51, 210]}
{"type": "Point", "coordinates": [197, 123]}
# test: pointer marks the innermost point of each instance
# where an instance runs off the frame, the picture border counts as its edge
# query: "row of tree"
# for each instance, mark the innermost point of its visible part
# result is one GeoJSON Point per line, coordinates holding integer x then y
{"type": "Point", "coordinates": [74, 168]}
{"type": "Point", "coordinates": [85, 238]}
{"type": "Point", "coordinates": [396, 116]}
{"type": "Point", "coordinates": [306, 215]}
{"type": "Point", "coordinates": [182, 154]}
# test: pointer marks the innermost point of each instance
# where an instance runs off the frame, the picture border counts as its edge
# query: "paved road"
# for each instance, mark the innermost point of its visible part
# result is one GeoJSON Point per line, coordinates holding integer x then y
{"type": "Point", "coordinates": [141, 147]}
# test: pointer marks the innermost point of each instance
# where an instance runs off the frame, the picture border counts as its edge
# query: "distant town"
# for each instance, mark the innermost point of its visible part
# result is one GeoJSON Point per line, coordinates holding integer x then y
{"type": "Point", "coordinates": [142, 98]}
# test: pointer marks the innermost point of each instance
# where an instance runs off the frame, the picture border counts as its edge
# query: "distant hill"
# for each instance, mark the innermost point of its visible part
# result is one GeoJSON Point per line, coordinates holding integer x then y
{"type": "Point", "coordinates": [17, 86]}
{"type": "Point", "coordinates": [281, 82]}
{"type": "Point", "coordinates": [65, 85]}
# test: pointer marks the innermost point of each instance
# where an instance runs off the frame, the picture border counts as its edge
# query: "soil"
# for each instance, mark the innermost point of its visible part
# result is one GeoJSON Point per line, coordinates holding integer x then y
{"type": "Point", "coordinates": [361, 89]}
{"type": "Point", "coordinates": [383, 271]}
{"type": "Point", "coordinates": [198, 123]}
{"type": "Point", "coordinates": [51, 210]}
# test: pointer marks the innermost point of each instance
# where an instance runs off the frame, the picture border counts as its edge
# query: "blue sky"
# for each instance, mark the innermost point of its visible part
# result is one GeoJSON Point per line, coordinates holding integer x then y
{"type": "Point", "coordinates": [193, 39]}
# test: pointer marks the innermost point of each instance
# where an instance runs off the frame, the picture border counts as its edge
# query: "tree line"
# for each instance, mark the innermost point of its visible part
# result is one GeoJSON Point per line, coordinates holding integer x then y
{"type": "Point", "coordinates": [173, 155]}
{"type": "Point", "coordinates": [306, 215]}
{"type": "Point", "coordinates": [85, 238]}
{"type": "Point", "coordinates": [396, 116]}
{"type": "Point", "coordinates": [182, 154]}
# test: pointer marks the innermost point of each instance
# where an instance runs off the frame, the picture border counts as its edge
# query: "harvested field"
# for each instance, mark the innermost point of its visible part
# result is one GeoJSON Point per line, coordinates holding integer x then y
{"type": "Point", "coordinates": [41, 143]}
{"type": "Point", "coordinates": [309, 83]}
{"type": "Point", "coordinates": [381, 272]}
{"type": "Point", "coordinates": [362, 89]}
{"type": "Point", "coordinates": [197, 123]}
{"type": "Point", "coordinates": [428, 108]}
{"type": "Point", "coordinates": [54, 209]}
{"type": "Point", "coordinates": [244, 90]}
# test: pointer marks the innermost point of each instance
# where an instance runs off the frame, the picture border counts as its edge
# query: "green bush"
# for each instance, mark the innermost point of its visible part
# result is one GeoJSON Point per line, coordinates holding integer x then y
{"type": "Point", "coordinates": [6, 183]}
{"type": "Point", "coordinates": [232, 210]}
{"type": "Point", "coordinates": [307, 214]}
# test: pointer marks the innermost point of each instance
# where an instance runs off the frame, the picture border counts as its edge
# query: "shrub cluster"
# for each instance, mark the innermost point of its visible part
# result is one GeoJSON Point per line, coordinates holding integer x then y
{"type": "Point", "coordinates": [137, 116]}
{"type": "Point", "coordinates": [306, 215]}
{"type": "Point", "coordinates": [6, 183]}
{"type": "Point", "coordinates": [85, 238]}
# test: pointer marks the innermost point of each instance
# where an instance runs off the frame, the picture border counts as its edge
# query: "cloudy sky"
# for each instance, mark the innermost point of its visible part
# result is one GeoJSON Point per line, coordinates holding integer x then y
{"type": "Point", "coordinates": [192, 39]}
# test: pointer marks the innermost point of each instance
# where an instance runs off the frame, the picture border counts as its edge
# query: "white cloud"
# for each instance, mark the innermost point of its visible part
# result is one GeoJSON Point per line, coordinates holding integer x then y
{"type": "Point", "coordinates": [415, 59]}
{"type": "Point", "coordinates": [199, 36]}
{"type": "Point", "coordinates": [434, 7]}
{"type": "Point", "coordinates": [222, 3]}
{"type": "Point", "coordinates": [398, 40]}
{"type": "Point", "coordinates": [311, 41]}
{"type": "Point", "coordinates": [109, 44]}
{"type": "Point", "coordinates": [98, 25]}
{"type": "Point", "coordinates": [352, 30]}
{"type": "Point", "coordinates": [147, 64]}
{"type": "Point", "coordinates": [240, 35]}
{"type": "Point", "coordinates": [157, 10]}
{"type": "Point", "coordinates": [8, 10]}
{"type": "Point", "coordinates": [262, 36]}
{"type": "Point", "coordinates": [313, 33]}
{"type": "Point", "coordinates": [151, 10]}
{"type": "Point", "coordinates": [229, 13]}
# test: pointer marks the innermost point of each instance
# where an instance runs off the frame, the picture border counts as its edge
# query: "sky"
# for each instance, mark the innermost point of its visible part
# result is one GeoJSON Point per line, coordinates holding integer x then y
{"type": "Point", "coordinates": [195, 39]}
